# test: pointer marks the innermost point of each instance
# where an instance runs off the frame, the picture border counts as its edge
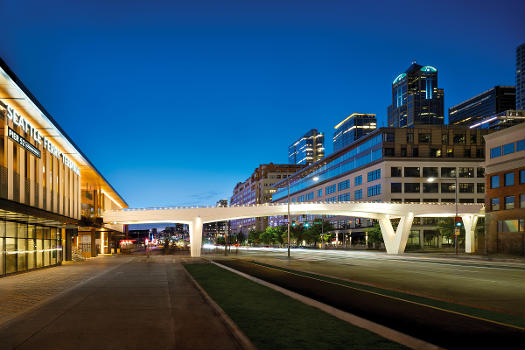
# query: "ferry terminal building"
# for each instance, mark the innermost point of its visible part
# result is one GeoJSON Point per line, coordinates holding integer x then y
{"type": "Point", "coordinates": [51, 195]}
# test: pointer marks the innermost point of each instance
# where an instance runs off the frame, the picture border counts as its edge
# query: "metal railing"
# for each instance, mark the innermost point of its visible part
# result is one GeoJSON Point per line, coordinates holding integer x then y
{"type": "Point", "coordinates": [284, 204]}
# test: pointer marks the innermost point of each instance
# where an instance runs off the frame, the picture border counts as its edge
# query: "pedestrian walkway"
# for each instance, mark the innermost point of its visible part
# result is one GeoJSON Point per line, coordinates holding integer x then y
{"type": "Point", "coordinates": [121, 302]}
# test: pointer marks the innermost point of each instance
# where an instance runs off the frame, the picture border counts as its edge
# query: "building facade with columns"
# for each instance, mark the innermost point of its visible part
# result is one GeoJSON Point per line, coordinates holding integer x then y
{"type": "Point", "coordinates": [43, 178]}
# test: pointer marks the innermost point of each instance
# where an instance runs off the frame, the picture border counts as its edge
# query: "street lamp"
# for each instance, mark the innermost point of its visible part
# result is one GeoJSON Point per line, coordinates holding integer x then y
{"type": "Point", "coordinates": [288, 182]}
{"type": "Point", "coordinates": [315, 179]}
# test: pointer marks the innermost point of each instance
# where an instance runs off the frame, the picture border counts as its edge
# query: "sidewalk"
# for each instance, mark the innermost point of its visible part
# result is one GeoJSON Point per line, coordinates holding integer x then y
{"type": "Point", "coordinates": [21, 292]}
{"type": "Point", "coordinates": [136, 303]}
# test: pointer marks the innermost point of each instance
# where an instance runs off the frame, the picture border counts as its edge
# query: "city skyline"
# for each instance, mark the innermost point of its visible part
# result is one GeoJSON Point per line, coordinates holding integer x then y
{"type": "Point", "coordinates": [279, 93]}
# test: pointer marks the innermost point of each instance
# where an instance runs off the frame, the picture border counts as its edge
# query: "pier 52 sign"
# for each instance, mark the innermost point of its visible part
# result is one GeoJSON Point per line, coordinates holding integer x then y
{"type": "Point", "coordinates": [23, 142]}
{"type": "Point", "coordinates": [39, 139]}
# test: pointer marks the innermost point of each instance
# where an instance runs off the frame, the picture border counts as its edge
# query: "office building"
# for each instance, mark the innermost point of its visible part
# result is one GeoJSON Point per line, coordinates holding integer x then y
{"type": "Point", "coordinates": [491, 102]}
{"type": "Point", "coordinates": [409, 165]}
{"type": "Point", "coordinates": [505, 195]}
{"type": "Point", "coordinates": [416, 98]}
{"type": "Point", "coordinates": [49, 190]}
{"type": "Point", "coordinates": [308, 149]}
{"type": "Point", "coordinates": [499, 121]}
{"type": "Point", "coordinates": [520, 77]}
{"type": "Point", "coordinates": [256, 190]}
{"type": "Point", "coordinates": [212, 230]}
{"type": "Point", "coordinates": [353, 128]}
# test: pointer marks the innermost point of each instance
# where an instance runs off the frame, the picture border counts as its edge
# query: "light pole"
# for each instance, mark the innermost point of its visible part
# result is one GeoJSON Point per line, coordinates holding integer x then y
{"type": "Point", "coordinates": [456, 191]}
{"type": "Point", "coordinates": [315, 179]}
{"type": "Point", "coordinates": [288, 216]}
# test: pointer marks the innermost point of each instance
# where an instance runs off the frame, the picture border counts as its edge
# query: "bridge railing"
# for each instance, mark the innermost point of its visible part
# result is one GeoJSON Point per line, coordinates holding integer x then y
{"type": "Point", "coordinates": [284, 203]}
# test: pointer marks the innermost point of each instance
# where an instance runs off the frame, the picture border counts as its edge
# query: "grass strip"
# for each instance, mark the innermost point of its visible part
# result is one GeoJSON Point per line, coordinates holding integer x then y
{"type": "Point", "coordinates": [468, 310]}
{"type": "Point", "coordinates": [275, 321]}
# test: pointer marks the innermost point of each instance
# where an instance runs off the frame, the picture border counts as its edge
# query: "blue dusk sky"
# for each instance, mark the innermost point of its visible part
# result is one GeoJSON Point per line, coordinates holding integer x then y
{"type": "Point", "coordinates": [177, 101]}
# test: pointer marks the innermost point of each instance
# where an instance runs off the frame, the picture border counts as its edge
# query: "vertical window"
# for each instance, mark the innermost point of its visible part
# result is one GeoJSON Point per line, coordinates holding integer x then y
{"type": "Point", "coordinates": [522, 176]}
{"type": "Point", "coordinates": [494, 181]}
{"type": "Point", "coordinates": [319, 193]}
{"type": "Point", "coordinates": [520, 145]}
{"type": "Point", "coordinates": [509, 179]}
{"type": "Point", "coordinates": [522, 200]}
{"type": "Point", "coordinates": [494, 204]}
{"type": "Point", "coordinates": [358, 180]}
{"type": "Point", "coordinates": [358, 194]}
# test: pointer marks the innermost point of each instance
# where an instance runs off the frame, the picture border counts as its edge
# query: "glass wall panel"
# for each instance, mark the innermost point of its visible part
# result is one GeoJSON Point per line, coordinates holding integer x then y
{"type": "Point", "coordinates": [10, 261]}
{"type": "Point", "coordinates": [30, 254]}
{"type": "Point", "coordinates": [22, 230]}
{"type": "Point", "coordinates": [47, 252]}
{"type": "Point", "coordinates": [53, 252]}
{"type": "Point", "coordinates": [2, 256]}
{"type": "Point", "coordinates": [22, 255]}
{"type": "Point", "coordinates": [10, 229]}
{"type": "Point", "coordinates": [39, 252]}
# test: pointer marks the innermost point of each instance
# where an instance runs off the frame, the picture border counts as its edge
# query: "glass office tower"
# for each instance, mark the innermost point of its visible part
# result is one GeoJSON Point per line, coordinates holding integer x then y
{"type": "Point", "coordinates": [308, 149]}
{"type": "Point", "coordinates": [416, 98]}
{"type": "Point", "coordinates": [353, 128]}
{"type": "Point", "coordinates": [493, 101]}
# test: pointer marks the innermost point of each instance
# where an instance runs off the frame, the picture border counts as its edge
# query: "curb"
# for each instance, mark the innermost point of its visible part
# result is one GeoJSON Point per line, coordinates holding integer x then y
{"type": "Point", "coordinates": [357, 321]}
{"type": "Point", "coordinates": [238, 335]}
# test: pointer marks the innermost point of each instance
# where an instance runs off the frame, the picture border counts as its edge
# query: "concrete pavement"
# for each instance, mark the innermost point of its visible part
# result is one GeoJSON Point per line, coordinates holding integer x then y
{"type": "Point", "coordinates": [134, 303]}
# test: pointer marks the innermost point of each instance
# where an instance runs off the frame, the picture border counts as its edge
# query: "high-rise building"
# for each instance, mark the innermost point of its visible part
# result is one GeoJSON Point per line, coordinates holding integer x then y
{"type": "Point", "coordinates": [416, 99]}
{"type": "Point", "coordinates": [308, 149]}
{"type": "Point", "coordinates": [520, 77]}
{"type": "Point", "coordinates": [353, 128]}
{"type": "Point", "coordinates": [256, 190]}
{"type": "Point", "coordinates": [493, 101]}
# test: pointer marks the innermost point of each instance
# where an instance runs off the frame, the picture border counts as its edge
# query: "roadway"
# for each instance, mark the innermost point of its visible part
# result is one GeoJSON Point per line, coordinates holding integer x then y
{"type": "Point", "coordinates": [492, 285]}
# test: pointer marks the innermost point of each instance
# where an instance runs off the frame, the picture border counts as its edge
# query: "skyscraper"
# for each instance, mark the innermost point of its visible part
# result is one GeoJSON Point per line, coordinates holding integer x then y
{"type": "Point", "coordinates": [520, 77]}
{"type": "Point", "coordinates": [308, 149]}
{"type": "Point", "coordinates": [352, 128]}
{"type": "Point", "coordinates": [493, 101]}
{"type": "Point", "coordinates": [416, 99]}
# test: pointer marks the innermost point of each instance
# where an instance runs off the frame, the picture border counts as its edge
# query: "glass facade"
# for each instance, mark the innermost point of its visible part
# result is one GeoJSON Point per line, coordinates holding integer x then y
{"type": "Point", "coordinates": [362, 155]}
{"type": "Point", "coordinates": [308, 149]}
{"type": "Point", "coordinates": [353, 128]}
{"type": "Point", "coordinates": [25, 247]}
{"type": "Point", "coordinates": [416, 98]}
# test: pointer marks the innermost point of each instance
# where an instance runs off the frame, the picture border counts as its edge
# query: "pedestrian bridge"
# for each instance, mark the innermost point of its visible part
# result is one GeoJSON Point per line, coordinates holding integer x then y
{"type": "Point", "coordinates": [395, 241]}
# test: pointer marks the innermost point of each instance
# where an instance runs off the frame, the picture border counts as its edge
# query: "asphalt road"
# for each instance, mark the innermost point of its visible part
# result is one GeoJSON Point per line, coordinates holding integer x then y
{"type": "Point", "coordinates": [449, 330]}
{"type": "Point", "coordinates": [492, 285]}
{"type": "Point", "coordinates": [128, 303]}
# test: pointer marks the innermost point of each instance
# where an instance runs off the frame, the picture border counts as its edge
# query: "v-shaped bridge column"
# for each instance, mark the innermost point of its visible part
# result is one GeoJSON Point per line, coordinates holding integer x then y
{"type": "Point", "coordinates": [470, 222]}
{"type": "Point", "coordinates": [395, 242]}
{"type": "Point", "coordinates": [195, 237]}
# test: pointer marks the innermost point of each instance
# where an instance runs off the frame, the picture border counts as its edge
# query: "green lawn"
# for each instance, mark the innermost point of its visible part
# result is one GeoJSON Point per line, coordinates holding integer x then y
{"type": "Point", "coordinates": [468, 310]}
{"type": "Point", "coordinates": [274, 321]}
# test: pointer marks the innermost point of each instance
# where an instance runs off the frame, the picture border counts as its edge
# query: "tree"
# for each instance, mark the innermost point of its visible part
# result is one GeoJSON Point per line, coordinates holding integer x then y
{"type": "Point", "coordinates": [254, 237]}
{"type": "Point", "coordinates": [375, 237]}
{"type": "Point", "coordinates": [446, 229]}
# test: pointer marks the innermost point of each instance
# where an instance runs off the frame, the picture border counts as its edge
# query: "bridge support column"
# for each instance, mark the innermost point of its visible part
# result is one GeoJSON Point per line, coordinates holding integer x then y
{"type": "Point", "coordinates": [395, 242]}
{"type": "Point", "coordinates": [195, 237]}
{"type": "Point", "coordinates": [470, 222]}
